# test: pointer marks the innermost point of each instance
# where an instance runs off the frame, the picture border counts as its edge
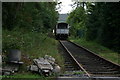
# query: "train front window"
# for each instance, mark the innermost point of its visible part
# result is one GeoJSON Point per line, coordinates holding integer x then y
{"type": "Point", "coordinates": [62, 26]}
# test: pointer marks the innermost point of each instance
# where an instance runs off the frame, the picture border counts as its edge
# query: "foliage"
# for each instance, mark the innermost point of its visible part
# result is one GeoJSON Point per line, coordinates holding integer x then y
{"type": "Point", "coordinates": [98, 49]}
{"type": "Point", "coordinates": [101, 23]}
{"type": "Point", "coordinates": [32, 45]}
{"type": "Point", "coordinates": [77, 19]}
{"type": "Point", "coordinates": [32, 16]}
{"type": "Point", "coordinates": [26, 26]}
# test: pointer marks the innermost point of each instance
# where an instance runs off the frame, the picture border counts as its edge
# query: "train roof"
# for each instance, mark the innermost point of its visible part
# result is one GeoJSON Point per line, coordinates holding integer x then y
{"type": "Point", "coordinates": [62, 22]}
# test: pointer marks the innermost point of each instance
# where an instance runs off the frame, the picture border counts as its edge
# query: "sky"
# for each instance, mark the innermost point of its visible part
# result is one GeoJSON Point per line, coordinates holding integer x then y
{"type": "Point", "coordinates": [65, 6]}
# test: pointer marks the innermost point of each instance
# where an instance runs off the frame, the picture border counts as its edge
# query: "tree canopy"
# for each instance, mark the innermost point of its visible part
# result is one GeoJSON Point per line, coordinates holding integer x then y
{"type": "Point", "coordinates": [99, 22]}
{"type": "Point", "coordinates": [37, 16]}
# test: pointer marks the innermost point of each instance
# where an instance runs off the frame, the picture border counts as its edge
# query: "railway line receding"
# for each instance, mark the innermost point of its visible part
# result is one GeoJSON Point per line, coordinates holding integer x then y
{"type": "Point", "coordinates": [90, 63]}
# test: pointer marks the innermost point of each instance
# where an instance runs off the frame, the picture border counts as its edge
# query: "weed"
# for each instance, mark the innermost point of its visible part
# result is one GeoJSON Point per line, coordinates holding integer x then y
{"type": "Point", "coordinates": [98, 49]}
{"type": "Point", "coordinates": [32, 45]}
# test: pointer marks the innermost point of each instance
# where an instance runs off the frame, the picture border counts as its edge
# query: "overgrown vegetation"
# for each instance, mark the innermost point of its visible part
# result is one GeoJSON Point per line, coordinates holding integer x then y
{"type": "Point", "coordinates": [98, 49]}
{"type": "Point", "coordinates": [32, 45]}
{"type": "Point", "coordinates": [27, 27]}
{"type": "Point", "coordinates": [97, 22]}
{"type": "Point", "coordinates": [32, 16]}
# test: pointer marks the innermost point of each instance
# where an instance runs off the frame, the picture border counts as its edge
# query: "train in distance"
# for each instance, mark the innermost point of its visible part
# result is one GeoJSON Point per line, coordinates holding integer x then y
{"type": "Point", "coordinates": [62, 30]}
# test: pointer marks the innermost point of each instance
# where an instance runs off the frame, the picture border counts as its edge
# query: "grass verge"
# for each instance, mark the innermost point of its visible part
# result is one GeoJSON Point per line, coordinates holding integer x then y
{"type": "Point", "coordinates": [98, 49]}
{"type": "Point", "coordinates": [32, 45]}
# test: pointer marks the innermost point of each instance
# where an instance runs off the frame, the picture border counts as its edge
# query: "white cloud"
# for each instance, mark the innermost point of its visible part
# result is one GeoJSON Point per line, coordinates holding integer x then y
{"type": "Point", "coordinates": [65, 6]}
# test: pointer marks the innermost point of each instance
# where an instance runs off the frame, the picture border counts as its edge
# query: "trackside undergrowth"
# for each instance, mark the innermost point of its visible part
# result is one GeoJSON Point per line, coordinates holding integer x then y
{"type": "Point", "coordinates": [98, 49]}
{"type": "Point", "coordinates": [32, 45]}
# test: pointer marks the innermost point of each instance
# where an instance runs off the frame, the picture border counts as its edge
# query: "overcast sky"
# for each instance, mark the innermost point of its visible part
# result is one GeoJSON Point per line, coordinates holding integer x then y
{"type": "Point", "coordinates": [65, 6]}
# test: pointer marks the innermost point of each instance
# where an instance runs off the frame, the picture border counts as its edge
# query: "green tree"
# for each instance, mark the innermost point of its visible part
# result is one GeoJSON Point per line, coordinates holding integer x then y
{"type": "Point", "coordinates": [100, 22]}
{"type": "Point", "coordinates": [77, 20]}
{"type": "Point", "coordinates": [30, 16]}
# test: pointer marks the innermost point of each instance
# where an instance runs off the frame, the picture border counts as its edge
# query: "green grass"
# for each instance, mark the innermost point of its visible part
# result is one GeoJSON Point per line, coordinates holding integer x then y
{"type": "Point", "coordinates": [32, 45]}
{"type": "Point", "coordinates": [76, 73]}
{"type": "Point", "coordinates": [30, 75]}
{"type": "Point", "coordinates": [98, 49]}
{"type": "Point", "coordinates": [26, 76]}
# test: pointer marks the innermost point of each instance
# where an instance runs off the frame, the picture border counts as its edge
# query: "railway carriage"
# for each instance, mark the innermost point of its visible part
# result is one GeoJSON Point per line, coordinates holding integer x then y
{"type": "Point", "coordinates": [62, 30]}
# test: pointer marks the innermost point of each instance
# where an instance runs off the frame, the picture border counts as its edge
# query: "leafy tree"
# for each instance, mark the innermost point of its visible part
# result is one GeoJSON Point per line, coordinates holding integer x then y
{"type": "Point", "coordinates": [101, 23]}
{"type": "Point", "coordinates": [77, 20]}
{"type": "Point", "coordinates": [30, 16]}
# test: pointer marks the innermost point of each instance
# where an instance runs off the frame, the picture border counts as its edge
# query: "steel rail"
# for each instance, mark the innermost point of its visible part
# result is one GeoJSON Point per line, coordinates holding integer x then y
{"type": "Point", "coordinates": [88, 74]}
{"type": "Point", "coordinates": [115, 64]}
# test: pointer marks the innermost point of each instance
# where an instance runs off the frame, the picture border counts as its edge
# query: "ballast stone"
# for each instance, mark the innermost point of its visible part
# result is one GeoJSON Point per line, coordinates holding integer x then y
{"type": "Point", "coordinates": [50, 59]}
{"type": "Point", "coordinates": [45, 65]}
{"type": "Point", "coordinates": [56, 69]}
{"type": "Point", "coordinates": [33, 68]}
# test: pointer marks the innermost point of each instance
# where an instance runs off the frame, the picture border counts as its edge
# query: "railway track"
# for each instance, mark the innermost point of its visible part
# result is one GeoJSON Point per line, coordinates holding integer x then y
{"type": "Point", "coordinates": [70, 66]}
{"type": "Point", "coordinates": [69, 63]}
{"type": "Point", "coordinates": [90, 63]}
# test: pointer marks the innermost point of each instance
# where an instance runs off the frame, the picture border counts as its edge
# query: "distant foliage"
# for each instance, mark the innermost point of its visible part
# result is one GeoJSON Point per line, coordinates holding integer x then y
{"type": "Point", "coordinates": [31, 16]}
{"type": "Point", "coordinates": [24, 22]}
{"type": "Point", "coordinates": [77, 21]}
{"type": "Point", "coordinates": [101, 23]}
